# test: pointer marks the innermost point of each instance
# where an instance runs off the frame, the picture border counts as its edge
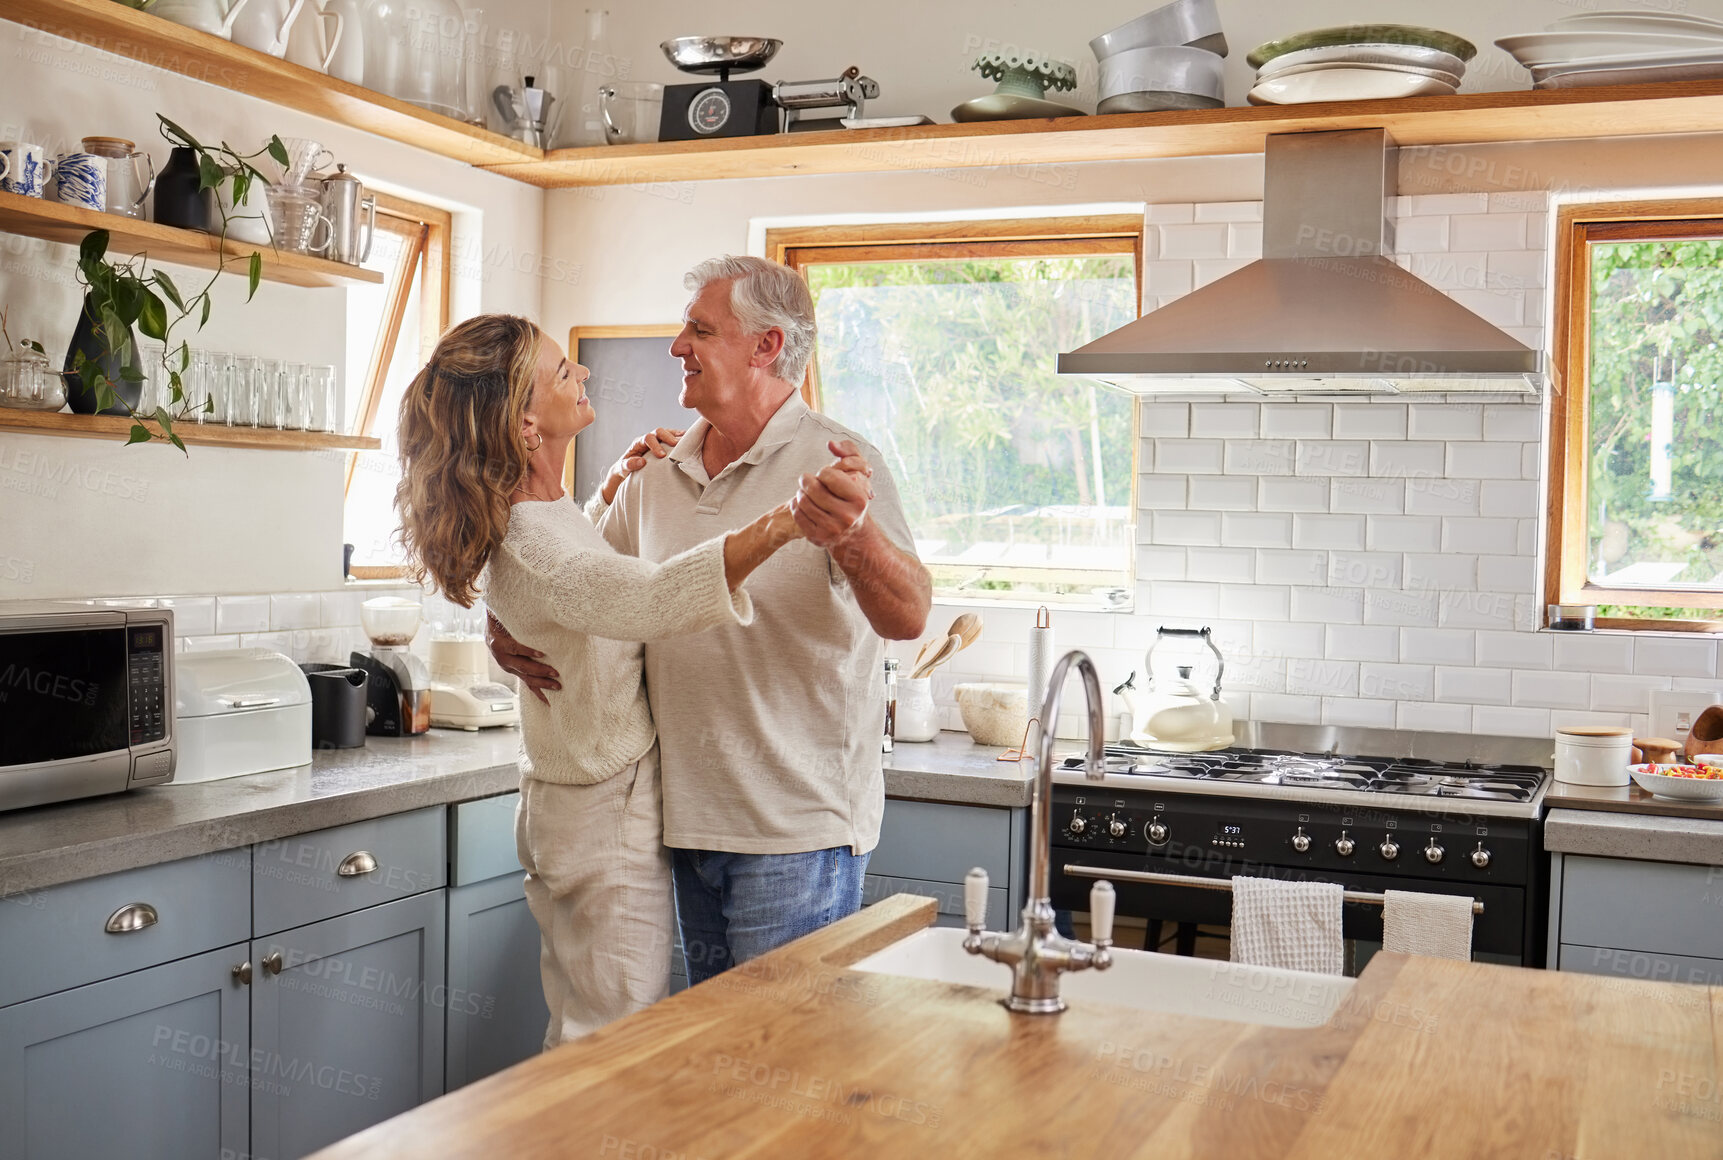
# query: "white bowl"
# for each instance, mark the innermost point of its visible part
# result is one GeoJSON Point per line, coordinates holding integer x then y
{"type": "Point", "coordinates": [1343, 83]}
{"type": "Point", "coordinates": [1187, 22]}
{"type": "Point", "coordinates": [1653, 781]}
{"type": "Point", "coordinates": [1413, 55]}
{"type": "Point", "coordinates": [994, 714]}
{"type": "Point", "coordinates": [1161, 69]}
{"type": "Point", "coordinates": [1540, 49]}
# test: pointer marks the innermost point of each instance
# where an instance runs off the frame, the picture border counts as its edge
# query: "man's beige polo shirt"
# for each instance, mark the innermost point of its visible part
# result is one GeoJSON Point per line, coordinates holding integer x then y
{"type": "Point", "coordinates": [769, 734]}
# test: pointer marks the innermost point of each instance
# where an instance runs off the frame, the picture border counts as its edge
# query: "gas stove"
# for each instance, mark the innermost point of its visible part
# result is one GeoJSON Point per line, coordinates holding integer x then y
{"type": "Point", "coordinates": [1371, 810]}
{"type": "Point", "coordinates": [1498, 789]}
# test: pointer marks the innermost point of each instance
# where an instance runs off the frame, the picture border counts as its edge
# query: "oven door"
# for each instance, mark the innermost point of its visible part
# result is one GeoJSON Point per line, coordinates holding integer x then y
{"type": "Point", "coordinates": [1499, 931]}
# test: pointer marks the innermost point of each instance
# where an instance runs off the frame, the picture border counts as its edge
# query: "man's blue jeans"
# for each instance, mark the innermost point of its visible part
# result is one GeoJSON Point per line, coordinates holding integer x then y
{"type": "Point", "coordinates": [735, 907]}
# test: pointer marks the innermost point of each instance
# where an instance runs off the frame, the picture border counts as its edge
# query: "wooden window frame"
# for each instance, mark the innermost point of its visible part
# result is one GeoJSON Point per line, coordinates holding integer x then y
{"type": "Point", "coordinates": [428, 231]}
{"type": "Point", "coordinates": [801, 246]}
{"type": "Point", "coordinates": [1566, 575]}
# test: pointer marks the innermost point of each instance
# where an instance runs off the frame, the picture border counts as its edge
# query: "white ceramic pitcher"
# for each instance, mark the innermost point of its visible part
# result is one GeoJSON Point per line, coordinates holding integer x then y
{"type": "Point", "coordinates": [209, 16]}
{"type": "Point", "coordinates": [265, 25]}
{"type": "Point", "coordinates": [311, 43]}
{"type": "Point", "coordinates": [347, 55]}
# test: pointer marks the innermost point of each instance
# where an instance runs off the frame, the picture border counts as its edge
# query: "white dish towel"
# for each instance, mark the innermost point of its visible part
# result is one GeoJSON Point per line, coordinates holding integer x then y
{"type": "Point", "coordinates": [1292, 925]}
{"type": "Point", "coordinates": [1438, 925]}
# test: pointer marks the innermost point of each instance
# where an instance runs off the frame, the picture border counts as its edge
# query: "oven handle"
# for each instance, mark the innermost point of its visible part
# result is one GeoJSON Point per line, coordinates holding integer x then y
{"type": "Point", "coordinates": [1195, 883]}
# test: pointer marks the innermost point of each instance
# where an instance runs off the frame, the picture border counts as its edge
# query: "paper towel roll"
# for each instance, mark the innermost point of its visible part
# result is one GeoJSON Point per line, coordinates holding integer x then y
{"type": "Point", "coordinates": [1041, 658]}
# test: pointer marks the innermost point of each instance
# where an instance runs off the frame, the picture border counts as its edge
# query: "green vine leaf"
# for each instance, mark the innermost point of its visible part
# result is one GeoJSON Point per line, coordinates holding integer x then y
{"type": "Point", "coordinates": [278, 151]}
{"type": "Point", "coordinates": [94, 245]}
{"type": "Point", "coordinates": [209, 174]}
{"type": "Point", "coordinates": [254, 275]}
{"type": "Point", "coordinates": [153, 317]}
{"type": "Point", "coordinates": [176, 134]}
{"type": "Point", "coordinates": [180, 443]}
{"type": "Point", "coordinates": [204, 317]}
{"type": "Point", "coordinates": [168, 288]}
{"type": "Point", "coordinates": [140, 434]}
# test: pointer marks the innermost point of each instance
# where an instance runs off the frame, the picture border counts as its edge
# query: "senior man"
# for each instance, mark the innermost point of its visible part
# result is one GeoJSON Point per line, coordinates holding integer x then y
{"type": "Point", "coordinates": [769, 735]}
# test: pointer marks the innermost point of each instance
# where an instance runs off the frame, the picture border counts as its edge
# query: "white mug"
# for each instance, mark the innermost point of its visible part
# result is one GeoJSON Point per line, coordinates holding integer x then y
{"type": "Point", "coordinates": [27, 168]}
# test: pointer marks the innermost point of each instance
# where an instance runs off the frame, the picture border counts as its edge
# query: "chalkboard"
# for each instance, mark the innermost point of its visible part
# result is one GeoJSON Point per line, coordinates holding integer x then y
{"type": "Point", "coordinates": [633, 389]}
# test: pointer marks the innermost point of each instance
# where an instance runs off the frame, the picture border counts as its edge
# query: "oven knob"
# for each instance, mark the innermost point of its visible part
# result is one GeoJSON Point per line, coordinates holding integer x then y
{"type": "Point", "coordinates": [1344, 845]}
{"type": "Point", "coordinates": [1157, 833]}
{"type": "Point", "coordinates": [1078, 825]}
{"type": "Point", "coordinates": [1433, 853]}
{"type": "Point", "coordinates": [1117, 828]}
{"type": "Point", "coordinates": [1389, 849]}
{"type": "Point", "coordinates": [1301, 840]}
{"type": "Point", "coordinates": [1480, 857]}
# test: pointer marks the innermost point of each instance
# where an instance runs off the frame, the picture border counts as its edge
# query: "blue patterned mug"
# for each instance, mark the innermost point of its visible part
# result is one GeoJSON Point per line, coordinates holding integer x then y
{"type": "Point", "coordinates": [27, 168]}
{"type": "Point", "coordinates": [81, 179]}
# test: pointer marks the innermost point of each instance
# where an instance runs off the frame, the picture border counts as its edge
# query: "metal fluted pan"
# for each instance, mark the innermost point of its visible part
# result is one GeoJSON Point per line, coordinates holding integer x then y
{"type": "Point", "coordinates": [718, 55]}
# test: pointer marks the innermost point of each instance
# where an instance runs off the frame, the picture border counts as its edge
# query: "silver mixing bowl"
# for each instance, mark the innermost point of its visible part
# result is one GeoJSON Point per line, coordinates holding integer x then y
{"type": "Point", "coordinates": [720, 55]}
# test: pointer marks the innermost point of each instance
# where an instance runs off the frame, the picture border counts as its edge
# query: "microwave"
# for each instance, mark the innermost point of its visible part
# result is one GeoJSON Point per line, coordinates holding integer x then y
{"type": "Point", "coordinates": [86, 701]}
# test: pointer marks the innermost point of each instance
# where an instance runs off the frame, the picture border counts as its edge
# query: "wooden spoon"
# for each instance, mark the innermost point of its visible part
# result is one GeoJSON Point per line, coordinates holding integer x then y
{"type": "Point", "coordinates": [968, 627]}
{"type": "Point", "coordinates": [944, 653]}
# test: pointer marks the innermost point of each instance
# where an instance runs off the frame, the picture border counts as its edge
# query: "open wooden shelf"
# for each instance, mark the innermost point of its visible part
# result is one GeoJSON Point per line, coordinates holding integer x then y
{"type": "Point", "coordinates": [1032, 147]}
{"type": "Point", "coordinates": [113, 428]}
{"type": "Point", "coordinates": [50, 220]}
{"type": "Point", "coordinates": [126, 32]}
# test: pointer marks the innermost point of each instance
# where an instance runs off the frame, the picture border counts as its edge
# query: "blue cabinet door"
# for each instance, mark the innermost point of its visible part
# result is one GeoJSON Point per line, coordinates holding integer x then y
{"type": "Point", "coordinates": [346, 1024]}
{"type": "Point", "coordinates": [149, 1066]}
{"type": "Point", "coordinates": [496, 1011]}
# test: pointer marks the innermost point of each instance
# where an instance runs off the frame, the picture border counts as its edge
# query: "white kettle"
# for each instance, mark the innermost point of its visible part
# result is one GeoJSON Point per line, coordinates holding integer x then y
{"type": "Point", "coordinates": [1178, 716]}
{"type": "Point", "coordinates": [266, 24]}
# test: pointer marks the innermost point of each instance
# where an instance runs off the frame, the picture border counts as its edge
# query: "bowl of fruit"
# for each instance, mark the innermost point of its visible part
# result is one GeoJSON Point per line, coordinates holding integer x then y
{"type": "Point", "coordinates": [1680, 782]}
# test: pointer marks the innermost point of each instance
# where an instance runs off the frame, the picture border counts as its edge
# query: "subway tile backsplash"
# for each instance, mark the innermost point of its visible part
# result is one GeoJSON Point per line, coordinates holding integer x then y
{"type": "Point", "coordinates": [1392, 548]}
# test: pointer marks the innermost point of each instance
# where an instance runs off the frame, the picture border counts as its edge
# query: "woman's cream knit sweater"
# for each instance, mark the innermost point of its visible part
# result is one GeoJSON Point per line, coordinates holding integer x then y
{"type": "Point", "coordinates": [557, 586]}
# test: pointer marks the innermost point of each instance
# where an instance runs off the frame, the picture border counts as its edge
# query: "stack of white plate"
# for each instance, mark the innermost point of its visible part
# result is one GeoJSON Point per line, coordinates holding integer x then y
{"type": "Point", "coordinates": [1169, 58]}
{"type": "Point", "coordinates": [1362, 62]}
{"type": "Point", "coordinates": [1620, 48]}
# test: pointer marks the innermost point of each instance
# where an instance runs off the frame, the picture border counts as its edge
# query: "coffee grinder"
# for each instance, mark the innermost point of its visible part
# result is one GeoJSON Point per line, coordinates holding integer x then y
{"type": "Point", "coordinates": [398, 694]}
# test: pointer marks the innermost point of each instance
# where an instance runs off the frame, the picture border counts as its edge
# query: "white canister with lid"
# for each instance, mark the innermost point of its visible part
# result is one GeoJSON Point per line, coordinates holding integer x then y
{"type": "Point", "coordinates": [1593, 755]}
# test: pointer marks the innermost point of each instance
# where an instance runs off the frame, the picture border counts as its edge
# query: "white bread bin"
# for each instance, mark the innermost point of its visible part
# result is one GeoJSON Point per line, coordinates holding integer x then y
{"type": "Point", "coordinates": [239, 711]}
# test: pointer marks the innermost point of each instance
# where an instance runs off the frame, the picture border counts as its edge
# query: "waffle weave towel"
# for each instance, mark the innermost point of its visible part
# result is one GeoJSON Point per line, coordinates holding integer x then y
{"type": "Point", "coordinates": [1292, 925]}
{"type": "Point", "coordinates": [1416, 923]}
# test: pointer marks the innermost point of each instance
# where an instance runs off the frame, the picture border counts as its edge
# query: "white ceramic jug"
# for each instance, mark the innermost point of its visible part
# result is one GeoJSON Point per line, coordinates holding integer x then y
{"type": "Point", "coordinates": [265, 24]}
{"type": "Point", "coordinates": [316, 38]}
{"type": "Point", "coordinates": [347, 55]}
{"type": "Point", "coordinates": [204, 15]}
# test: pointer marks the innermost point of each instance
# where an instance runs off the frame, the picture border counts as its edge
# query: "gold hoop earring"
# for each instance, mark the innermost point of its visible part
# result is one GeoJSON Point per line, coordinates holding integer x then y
{"type": "Point", "coordinates": [532, 447]}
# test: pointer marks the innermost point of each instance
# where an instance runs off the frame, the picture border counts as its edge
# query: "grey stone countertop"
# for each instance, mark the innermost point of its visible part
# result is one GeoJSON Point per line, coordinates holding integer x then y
{"type": "Point", "coordinates": [1649, 837]}
{"type": "Point", "coordinates": [1626, 799]}
{"type": "Point", "coordinates": [46, 845]}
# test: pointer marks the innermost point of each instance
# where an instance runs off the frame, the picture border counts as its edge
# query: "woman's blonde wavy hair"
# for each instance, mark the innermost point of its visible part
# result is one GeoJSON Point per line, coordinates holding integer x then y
{"type": "Point", "coordinates": [462, 454]}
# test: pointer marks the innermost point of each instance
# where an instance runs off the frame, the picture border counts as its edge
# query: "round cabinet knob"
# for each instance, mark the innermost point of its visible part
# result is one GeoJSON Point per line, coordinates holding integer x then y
{"type": "Point", "coordinates": [1433, 853]}
{"type": "Point", "coordinates": [1389, 849]}
{"type": "Point", "coordinates": [1301, 840]}
{"type": "Point", "coordinates": [1157, 833]}
{"type": "Point", "coordinates": [1078, 825]}
{"type": "Point", "coordinates": [1344, 845]}
{"type": "Point", "coordinates": [1480, 857]}
{"type": "Point", "coordinates": [1117, 828]}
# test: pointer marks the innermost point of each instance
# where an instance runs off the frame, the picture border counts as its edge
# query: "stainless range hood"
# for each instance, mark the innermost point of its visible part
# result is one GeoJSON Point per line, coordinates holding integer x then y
{"type": "Point", "coordinates": [1324, 311]}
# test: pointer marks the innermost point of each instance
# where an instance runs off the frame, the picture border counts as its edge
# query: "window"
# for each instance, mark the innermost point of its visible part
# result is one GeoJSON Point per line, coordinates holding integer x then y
{"type": "Point", "coordinates": [1636, 448]}
{"type": "Point", "coordinates": [938, 344]}
{"type": "Point", "coordinates": [391, 331]}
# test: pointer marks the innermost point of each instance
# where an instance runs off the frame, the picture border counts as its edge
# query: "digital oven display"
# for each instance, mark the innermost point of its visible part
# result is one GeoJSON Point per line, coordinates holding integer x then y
{"type": "Point", "coordinates": [62, 694]}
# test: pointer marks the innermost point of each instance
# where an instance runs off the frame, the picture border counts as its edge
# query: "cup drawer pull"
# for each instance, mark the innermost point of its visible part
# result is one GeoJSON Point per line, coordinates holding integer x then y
{"type": "Point", "coordinates": [357, 863]}
{"type": "Point", "coordinates": [133, 916]}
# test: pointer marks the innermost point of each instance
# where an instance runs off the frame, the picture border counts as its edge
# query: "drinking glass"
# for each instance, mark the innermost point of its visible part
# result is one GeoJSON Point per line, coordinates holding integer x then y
{"type": "Point", "coordinates": [153, 391]}
{"type": "Point", "coordinates": [241, 408]}
{"type": "Point", "coordinates": [217, 387]}
{"type": "Point", "coordinates": [266, 394]}
{"type": "Point", "coordinates": [291, 387]}
{"type": "Point", "coordinates": [320, 394]}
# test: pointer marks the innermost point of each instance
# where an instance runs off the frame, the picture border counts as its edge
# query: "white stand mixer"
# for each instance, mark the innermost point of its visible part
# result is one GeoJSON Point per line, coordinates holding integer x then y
{"type": "Point", "coordinates": [463, 696]}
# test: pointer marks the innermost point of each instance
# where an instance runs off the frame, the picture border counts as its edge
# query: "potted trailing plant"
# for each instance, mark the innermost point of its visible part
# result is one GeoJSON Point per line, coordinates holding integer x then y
{"type": "Point", "coordinates": [102, 368]}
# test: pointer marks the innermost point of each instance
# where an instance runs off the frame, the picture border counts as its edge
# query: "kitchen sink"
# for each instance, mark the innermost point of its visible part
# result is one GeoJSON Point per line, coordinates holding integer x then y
{"type": "Point", "coordinates": [1141, 979]}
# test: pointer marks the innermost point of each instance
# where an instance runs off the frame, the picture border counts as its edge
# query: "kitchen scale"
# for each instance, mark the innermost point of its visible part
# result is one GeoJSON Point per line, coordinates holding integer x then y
{"type": "Point", "coordinates": [751, 108]}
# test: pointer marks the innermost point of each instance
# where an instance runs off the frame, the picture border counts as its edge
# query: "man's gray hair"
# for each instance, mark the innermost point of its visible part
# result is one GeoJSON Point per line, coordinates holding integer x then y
{"type": "Point", "coordinates": [764, 295]}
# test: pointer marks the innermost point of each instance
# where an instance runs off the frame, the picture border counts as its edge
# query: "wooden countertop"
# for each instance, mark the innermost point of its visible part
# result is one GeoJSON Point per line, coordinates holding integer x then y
{"type": "Point", "coordinates": [793, 1055]}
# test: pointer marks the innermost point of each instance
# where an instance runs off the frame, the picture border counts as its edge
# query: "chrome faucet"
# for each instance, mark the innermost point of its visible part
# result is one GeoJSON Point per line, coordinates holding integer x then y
{"type": "Point", "coordinates": [1036, 953]}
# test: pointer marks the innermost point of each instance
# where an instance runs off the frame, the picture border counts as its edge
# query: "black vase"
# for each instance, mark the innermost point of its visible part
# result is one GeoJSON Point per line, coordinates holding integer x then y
{"type": "Point", "coordinates": [82, 399]}
{"type": "Point", "coordinates": [179, 201]}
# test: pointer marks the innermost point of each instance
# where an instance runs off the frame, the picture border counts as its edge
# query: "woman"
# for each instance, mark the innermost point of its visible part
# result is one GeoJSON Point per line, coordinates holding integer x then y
{"type": "Point", "coordinates": [484, 433]}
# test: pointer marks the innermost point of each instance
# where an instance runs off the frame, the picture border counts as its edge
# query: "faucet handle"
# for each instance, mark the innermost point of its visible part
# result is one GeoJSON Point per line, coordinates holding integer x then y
{"type": "Point", "coordinates": [1101, 900]}
{"type": "Point", "coordinates": [975, 899]}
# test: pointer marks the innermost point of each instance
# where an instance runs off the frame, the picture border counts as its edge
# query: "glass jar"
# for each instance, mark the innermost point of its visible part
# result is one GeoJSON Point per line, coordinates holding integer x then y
{"type": "Point", "coordinates": [27, 383]}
